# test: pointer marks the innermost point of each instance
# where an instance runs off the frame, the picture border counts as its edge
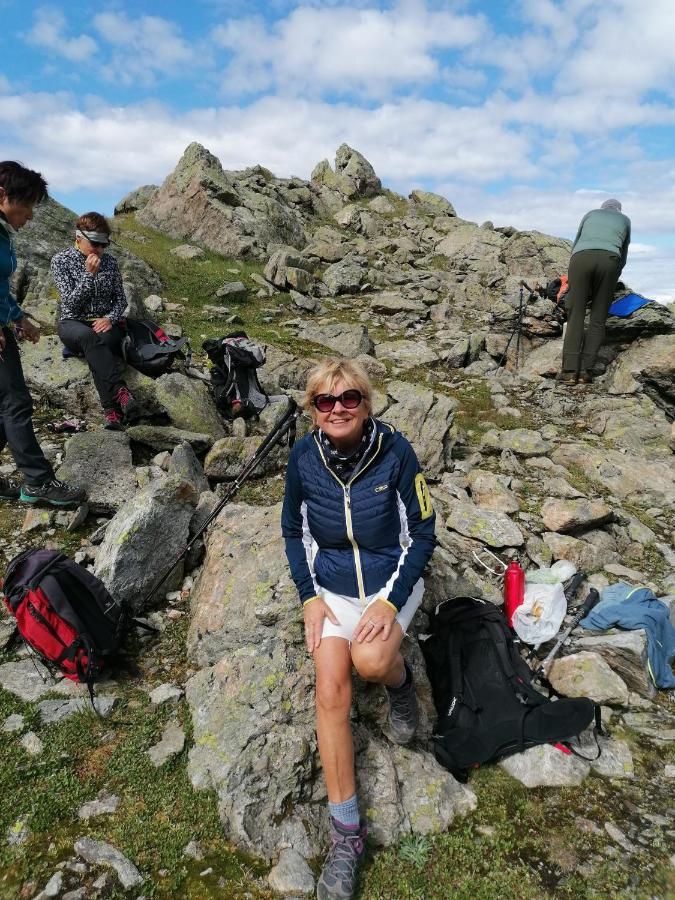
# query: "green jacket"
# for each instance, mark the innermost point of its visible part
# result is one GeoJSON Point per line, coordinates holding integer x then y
{"type": "Point", "coordinates": [604, 229]}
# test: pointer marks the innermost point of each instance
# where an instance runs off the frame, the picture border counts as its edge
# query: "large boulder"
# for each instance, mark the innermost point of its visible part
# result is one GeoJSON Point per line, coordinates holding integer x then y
{"type": "Point", "coordinates": [189, 404]}
{"type": "Point", "coordinates": [252, 704]}
{"type": "Point", "coordinates": [426, 419]}
{"type": "Point", "coordinates": [648, 365]}
{"type": "Point", "coordinates": [144, 538]}
{"type": "Point", "coordinates": [232, 213]}
{"type": "Point", "coordinates": [353, 177]}
{"type": "Point", "coordinates": [100, 462]}
{"type": "Point", "coordinates": [340, 339]}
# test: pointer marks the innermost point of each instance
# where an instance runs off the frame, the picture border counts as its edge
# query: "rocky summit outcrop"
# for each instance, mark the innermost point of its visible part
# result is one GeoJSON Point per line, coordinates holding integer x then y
{"type": "Point", "coordinates": [233, 213]}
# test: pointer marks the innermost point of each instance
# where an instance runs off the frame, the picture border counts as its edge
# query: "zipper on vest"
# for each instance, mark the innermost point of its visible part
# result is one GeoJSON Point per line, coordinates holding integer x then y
{"type": "Point", "coordinates": [355, 546]}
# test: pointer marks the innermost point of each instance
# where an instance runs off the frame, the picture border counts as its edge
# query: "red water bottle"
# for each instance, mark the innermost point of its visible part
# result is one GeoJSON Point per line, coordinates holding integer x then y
{"type": "Point", "coordinates": [514, 590]}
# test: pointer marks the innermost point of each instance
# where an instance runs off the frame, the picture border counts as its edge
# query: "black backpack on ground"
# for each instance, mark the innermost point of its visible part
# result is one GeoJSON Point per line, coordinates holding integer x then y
{"type": "Point", "coordinates": [234, 361]}
{"type": "Point", "coordinates": [64, 614]}
{"type": "Point", "coordinates": [485, 701]}
{"type": "Point", "coordinates": [147, 347]}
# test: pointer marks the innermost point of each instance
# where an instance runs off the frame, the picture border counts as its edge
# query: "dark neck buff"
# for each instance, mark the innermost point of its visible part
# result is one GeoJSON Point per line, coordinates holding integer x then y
{"type": "Point", "coordinates": [346, 464]}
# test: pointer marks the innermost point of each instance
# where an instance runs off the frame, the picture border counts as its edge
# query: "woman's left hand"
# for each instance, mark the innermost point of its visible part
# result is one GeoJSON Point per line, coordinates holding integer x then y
{"type": "Point", "coordinates": [377, 619]}
{"type": "Point", "coordinates": [100, 326]}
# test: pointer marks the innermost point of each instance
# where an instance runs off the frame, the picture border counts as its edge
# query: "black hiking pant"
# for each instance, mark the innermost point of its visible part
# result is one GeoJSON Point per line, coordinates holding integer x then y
{"type": "Point", "coordinates": [16, 416]}
{"type": "Point", "coordinates": [103, 354]}
{"type": "Point", "coordinates": [593, 275]}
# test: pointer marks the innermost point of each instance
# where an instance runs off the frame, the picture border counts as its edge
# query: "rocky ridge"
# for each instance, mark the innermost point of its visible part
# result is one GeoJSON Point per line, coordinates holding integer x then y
{"type": "Point", "coordinates": [517, 464]}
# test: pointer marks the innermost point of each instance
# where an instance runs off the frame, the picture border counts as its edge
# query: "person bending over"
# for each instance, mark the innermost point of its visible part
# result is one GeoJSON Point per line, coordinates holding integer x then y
{"type": "Point", "coordinates": [359, 529]}
{"type": "Point", "coordinates": [599, 254]}
{"type": "Point", "coordinates": [20, 190]}
{"type": "Point", "coordinates": [92, 303]}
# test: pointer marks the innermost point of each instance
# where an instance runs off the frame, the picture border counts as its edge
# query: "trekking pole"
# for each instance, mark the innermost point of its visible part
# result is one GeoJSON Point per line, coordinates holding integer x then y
{"type": "Point", "coordinates": [589, 603]}
{"type": "Point", "coordinates": [517, 330]}
{"type": "Point", "coordinates": [284, 425]}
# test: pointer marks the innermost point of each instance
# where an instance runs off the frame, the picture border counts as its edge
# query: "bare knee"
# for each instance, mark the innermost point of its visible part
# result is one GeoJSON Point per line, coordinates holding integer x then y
{"type": "Point", "coordinates": [372, 662]}
{"type": "Point", "coordinates": [334, 696]}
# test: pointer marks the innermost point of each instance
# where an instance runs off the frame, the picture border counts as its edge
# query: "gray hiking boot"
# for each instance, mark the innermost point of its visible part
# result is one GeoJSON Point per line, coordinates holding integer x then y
{"type": "Point", "coordinates": [404, 714]}
{"type": "Point", "coordinates": [340, 871]}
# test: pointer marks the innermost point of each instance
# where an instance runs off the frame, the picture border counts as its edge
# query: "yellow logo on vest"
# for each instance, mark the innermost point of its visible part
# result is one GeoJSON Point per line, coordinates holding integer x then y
{"type": "Point", "coordinates": [423, 496]}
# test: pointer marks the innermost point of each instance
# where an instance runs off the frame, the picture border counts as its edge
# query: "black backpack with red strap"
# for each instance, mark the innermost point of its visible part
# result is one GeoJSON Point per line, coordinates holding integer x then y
{"type": "Point", "coordinates": [148, 348]}
{"type": "Point", "coordinates": [64, 614]}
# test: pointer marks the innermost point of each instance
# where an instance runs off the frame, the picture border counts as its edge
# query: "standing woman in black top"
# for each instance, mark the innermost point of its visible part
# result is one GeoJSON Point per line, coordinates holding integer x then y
{"type": "Point", "coordinates": [92, 303]}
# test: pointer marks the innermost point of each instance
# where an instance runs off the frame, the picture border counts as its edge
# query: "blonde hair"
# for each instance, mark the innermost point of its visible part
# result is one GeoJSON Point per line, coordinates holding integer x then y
{"type": "Point", "coordinates": [325, 375]}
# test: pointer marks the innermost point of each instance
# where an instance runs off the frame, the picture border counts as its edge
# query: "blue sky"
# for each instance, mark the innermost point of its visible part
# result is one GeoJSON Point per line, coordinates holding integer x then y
{"type": "Point", "coordinates": [527, 112]}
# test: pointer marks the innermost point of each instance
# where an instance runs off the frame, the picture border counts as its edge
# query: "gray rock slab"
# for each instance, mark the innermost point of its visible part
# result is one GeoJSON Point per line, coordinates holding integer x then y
{"type": "Point", "coordinates": [521, 441]}
{"type": "Point", "coordinates": [227, 456]}
{"type": "Point", "coordinates": [184, 462]}
{"type": "Point", "coordinates": [28, 680]}
{"type": "Point", "coordinates": [546, 766]}
{"type": "Point", "coordinates": [101, 462]}
{"type": "Point", "coordinates": [232, 290]}
{"type": "Point", "coordinates": [426, 419]}
{"type": "Point", "coordinates": [12, 723]}
{"type": "Point", "coordinates": [659, 726]}
{"type": "Point", "coordinates": [104, 804]}
{"type": "Point", "coordinates": [587, 674]}
{"type": "Point", "coordinates": [53, 887]}
{"type": "Point", "coordinates": [163, 437]}
{"type": "Point", "coordinates": [490, 527]}
{"type": "Point", "coordinates": [187, 251]}
{"type": "Point", "coordinates": [571, 515]}
{"type": "Point", "coordinates": [291, 875]}
{"type": "Point", "coordinates": [615, 760]}
{"type": "Point", "coordinates": [342, 339]}
{"type": "Point", "coordinates": [406, 353]}
{"type": "Point", "coordinates": [171, 744]}
{"type": "Point", "coordinates": [98, 853]}
{"type": "Point", "coordinates": [489, 492]}
{"type": "Point", "coordinates": [57, 710]}
{"type": "Point", "coordinates": [144, 538]}
{"type": "Point", "coordinates": [189, 405]}
{"type": "Point", "coordinates": [626, 653]}
{"type": "Point", "coordinates": [165, 693]}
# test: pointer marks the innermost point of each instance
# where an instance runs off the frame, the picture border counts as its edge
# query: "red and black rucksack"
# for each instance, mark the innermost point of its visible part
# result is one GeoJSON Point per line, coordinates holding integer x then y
{"type": "Point", "coordinates": [64, 613]}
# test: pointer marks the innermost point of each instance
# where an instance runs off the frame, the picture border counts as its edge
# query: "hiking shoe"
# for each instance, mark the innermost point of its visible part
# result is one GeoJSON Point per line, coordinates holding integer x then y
{"type": "Point", "coordinates": [54, 492]}
{"type": "Point", "coordinates": [8, 490]}
{"type": "Point", "coordinates": [404, 714]}
{"type": "Point", "coordinates": [567, 377]}
{"type": "Point", "coordinates": [340, 871]}
{"type": "Point", "coordinates": [585, 378]}
{"type": "Point", "coordinates": [128, 405]}
{"type": "Point", "coordinates": [112, 419]}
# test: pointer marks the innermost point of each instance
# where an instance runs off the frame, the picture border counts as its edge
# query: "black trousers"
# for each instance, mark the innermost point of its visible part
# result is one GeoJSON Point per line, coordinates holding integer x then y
{"type": "Point", "coordinates": [16, 416]}
{"type": "Point", "coordinates": [593, 275]}
{"type": "Point", "coordinates": [102, 352]}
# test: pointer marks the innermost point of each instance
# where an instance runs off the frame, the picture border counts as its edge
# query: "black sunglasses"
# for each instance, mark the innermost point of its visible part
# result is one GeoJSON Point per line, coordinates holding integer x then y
{"type": "Point", "coordinates": [350, 399]}
{"type": "Point", "coordinates": [98, 243]}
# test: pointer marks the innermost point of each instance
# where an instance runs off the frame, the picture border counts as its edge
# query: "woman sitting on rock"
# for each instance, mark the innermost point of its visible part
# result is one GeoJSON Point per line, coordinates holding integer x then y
{"type": "Point", "coordinates": [92, 303]}
{"type": "Point", "coordinates": [359, 530]}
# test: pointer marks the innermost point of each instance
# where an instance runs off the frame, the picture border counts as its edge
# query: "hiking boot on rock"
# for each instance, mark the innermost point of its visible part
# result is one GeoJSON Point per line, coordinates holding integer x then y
{"type": "Point", "coordinates": [340, 871]}
{"type": "Point", "coordinates": [112, 419]}
{"type": "Point", "coordinates": [404, 712]}
{"type": "Point", "coordinates": [53, 492]}
{"type": "Point", "coordinates": [127, 404]}
{"type": "Point", "coordinates": [8, 490]}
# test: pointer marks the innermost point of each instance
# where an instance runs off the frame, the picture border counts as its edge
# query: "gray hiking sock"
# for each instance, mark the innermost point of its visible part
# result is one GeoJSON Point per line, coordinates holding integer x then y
{"type": "Point", "coordinates": [346, 813]}
{"type": "Point", "coordinates": [407, 678]}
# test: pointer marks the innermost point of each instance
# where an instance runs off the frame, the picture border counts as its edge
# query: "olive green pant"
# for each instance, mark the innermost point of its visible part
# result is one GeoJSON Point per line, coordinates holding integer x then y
{"type": "Point", "coordinates": [593, 275]}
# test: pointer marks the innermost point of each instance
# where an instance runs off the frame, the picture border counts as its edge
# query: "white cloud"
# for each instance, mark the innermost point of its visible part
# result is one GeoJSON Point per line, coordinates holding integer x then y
{"type": "Point", "coordinates": [48, 32]}
{"type": "Point", "coordinates": [343, 49]}
{"type": "Point", "coordinates": [143, 47]}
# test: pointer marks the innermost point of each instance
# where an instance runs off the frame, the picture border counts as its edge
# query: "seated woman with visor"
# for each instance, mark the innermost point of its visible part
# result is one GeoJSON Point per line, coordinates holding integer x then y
{"type": "Point", "coordinates": [92, 303]}
{"type": "Point", "coordinates": [359, 529]}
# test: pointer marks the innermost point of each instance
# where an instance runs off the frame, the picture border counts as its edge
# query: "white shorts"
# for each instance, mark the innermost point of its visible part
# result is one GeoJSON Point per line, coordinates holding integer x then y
{"type": "Point", "coordinates": [348, 611]}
